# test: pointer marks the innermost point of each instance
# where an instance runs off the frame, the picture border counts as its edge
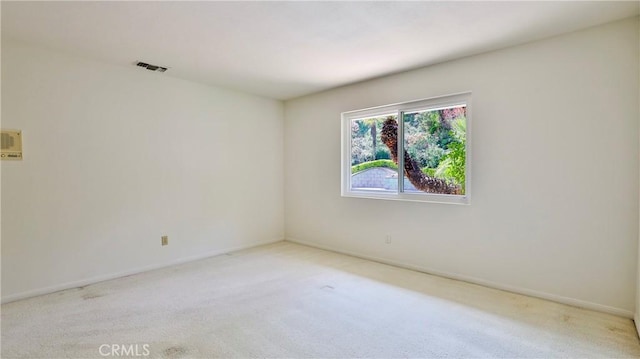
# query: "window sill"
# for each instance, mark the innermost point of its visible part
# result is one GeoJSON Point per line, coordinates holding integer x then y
{"type": "Point", "coordinates": [410, 197]}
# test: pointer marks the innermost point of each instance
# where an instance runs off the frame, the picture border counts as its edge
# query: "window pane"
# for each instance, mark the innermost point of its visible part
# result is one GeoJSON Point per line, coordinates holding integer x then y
{"type": "Point", "coordinates": [372, 167]}
{"type": "Point", "coordinates": [434, 150]}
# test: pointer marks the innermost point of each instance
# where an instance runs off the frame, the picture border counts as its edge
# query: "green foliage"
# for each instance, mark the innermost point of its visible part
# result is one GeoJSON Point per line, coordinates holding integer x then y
{"type": "Point", "coordinates": [372, 164]}
{"type": "Point", "coordinates": [459, 129]}
{"type": "Point", "coordinates": [453, 164]}
{"type": "Point", "coordinates": [431, 172]}
{"type": "Point", "coordinates": [382, 153]}
{"type": "Point", "coordinates": [427, 137]}
{"type": "Point", "coordinates": [435, 139]}
{"type": "Point", "coordinates": [366, 144]}
{"type": "Point", "coordinates": [422, 149]}
{"type": "Point", "coordinates": [360, 149]}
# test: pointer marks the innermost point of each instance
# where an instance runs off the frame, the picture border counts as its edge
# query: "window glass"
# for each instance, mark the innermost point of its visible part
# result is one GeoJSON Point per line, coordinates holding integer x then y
{"type": "Point", "coordinates": [428, 140]}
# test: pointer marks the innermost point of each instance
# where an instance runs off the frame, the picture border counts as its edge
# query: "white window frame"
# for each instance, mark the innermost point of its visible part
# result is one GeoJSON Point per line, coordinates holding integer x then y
{"type": "Point", "coordinates": [399, 109]}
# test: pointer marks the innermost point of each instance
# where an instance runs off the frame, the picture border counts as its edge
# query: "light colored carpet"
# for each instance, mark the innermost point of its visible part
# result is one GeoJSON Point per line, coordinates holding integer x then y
{"type": "Point", "coordinates": [289, 300]}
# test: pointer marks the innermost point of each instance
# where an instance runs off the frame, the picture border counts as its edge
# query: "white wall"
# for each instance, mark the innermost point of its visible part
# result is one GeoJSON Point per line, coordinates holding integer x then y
{"type": "Point", "coordinates": [637, 312]}
{"type": "Point", "coordinates": [636, 317]}
{"type": "Point", "coordinates": [554, 207]}
{"type": "Point", "coordinates": [115, 157]}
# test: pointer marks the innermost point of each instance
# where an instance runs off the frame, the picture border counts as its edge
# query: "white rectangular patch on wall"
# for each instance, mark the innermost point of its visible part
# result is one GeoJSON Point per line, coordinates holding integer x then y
{"type": "Point", "coordinates": [11, 145]}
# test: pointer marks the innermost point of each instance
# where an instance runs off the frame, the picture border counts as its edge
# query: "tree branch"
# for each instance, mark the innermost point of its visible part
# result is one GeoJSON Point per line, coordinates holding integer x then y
{"type": "Point", "coordinates": [420, 180]}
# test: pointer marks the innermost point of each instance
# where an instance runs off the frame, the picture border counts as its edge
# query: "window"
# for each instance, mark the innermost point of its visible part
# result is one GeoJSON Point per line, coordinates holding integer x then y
{"type": "Point", "coordinates": [433, 139]}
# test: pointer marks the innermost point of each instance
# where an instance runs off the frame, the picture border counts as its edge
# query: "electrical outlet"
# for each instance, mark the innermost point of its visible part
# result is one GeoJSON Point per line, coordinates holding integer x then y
{"type": "Point", "coordinates": [165, 240]}
{"type": "Point", "coordinates": [387, 240]}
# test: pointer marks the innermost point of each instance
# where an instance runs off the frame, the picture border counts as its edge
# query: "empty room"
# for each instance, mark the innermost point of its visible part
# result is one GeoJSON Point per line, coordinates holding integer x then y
{"type": "Point", "coordinates": [320, 179]}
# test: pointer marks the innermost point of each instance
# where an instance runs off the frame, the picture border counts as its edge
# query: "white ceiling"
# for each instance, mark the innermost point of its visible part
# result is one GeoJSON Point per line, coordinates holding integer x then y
{"type": "Point", "coordinates": [284, 50]}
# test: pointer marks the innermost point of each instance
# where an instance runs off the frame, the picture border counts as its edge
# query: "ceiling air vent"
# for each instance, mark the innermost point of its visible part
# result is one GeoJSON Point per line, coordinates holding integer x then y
{"type": "Point", "coordinates": [151, 67]}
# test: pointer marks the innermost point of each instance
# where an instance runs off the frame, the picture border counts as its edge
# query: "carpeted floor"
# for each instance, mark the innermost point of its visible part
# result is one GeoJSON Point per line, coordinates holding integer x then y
{"type": "Point", "coordinates": [289, 300]}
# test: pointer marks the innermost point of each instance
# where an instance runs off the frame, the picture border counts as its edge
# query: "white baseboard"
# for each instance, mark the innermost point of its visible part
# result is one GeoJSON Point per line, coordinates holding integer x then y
{"type": "Point", "coordinates": [636, 322]}
{"type": "Point", "coordinates": [532, 293]}
{"type": "Point", "coordinates": [101, 278]}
